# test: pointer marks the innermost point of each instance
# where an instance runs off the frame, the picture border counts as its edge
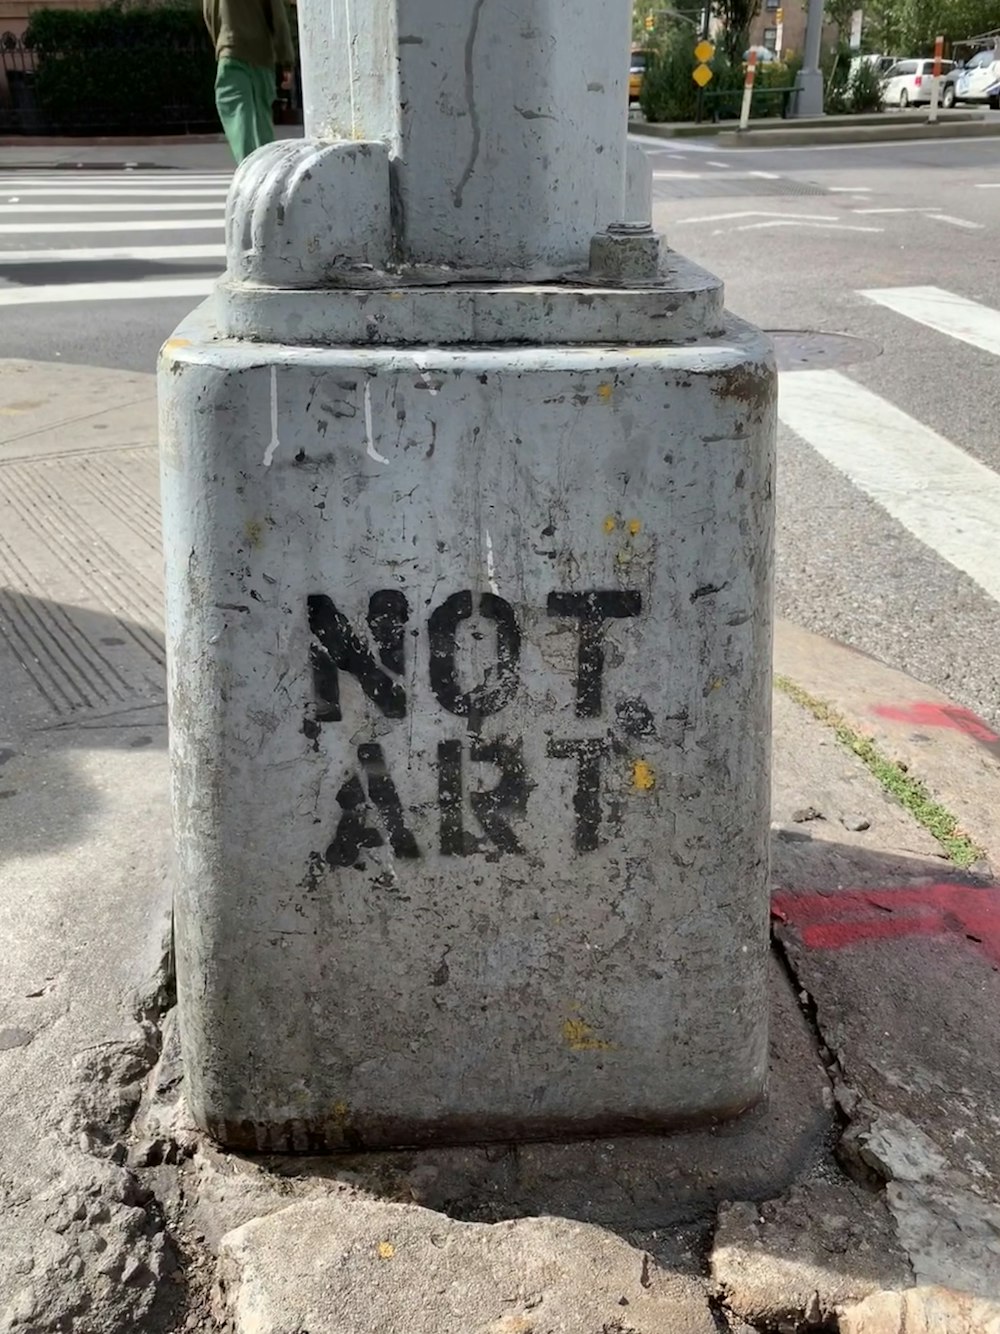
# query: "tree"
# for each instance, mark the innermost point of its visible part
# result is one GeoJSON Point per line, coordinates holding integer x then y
{"type": "Point", "coordinates": [736, 17]}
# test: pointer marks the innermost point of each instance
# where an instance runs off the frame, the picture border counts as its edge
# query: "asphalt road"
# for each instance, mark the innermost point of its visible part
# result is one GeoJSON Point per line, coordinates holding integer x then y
{"type": "Point", "coordinates": [889, 499]}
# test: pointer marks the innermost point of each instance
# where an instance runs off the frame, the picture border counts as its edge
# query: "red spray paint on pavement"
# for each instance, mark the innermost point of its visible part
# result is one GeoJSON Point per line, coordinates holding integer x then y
{"type": "Point", "coordinates": [849, 917]}
{"type": "Point", "coordinates": [950, 716]}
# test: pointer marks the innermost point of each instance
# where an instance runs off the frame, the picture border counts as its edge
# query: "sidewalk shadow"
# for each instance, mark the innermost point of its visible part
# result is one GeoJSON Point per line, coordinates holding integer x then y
{"type": "Point", "coordinates": [72, 679]}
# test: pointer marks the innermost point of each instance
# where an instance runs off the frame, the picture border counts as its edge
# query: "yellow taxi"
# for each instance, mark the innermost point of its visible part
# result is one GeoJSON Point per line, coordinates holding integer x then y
{"type": "Point", "coordinates": [636, 69]}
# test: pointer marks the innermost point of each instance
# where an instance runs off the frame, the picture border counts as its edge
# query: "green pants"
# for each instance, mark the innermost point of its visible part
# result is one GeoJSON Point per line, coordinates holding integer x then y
{"type": "Point", "coordinates": [244, 96]}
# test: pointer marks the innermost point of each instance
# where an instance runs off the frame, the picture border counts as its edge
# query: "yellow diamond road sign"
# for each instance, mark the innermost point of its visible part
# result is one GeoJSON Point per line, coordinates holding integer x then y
{"type": "Point", "coordinates": [701, 75]}
{"type": "Point", "coordinates": [704, 52]}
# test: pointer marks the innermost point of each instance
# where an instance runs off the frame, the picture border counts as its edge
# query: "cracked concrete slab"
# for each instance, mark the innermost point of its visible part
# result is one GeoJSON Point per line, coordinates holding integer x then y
{"type": "Point", "coordinates": [364, 1267]}
{"type": "Point", "coordinates": [824, 1244]}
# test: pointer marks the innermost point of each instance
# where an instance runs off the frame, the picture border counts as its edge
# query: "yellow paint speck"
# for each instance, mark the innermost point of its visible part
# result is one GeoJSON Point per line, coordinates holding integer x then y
{"type": "Point", "coordinates": [580, 1036]}
{"type": "Point", "coordinates": [643, 778]}
{"type": "Point", "coordinates": [609, 523]}
{"type": "Point", "coordinates": [175, 344]}
{"type": "Point", "coordinates": [717, 684]}
{"type": "Point", "coordinates": [604, 392]}
{"type": "Point", "coordinates": [386, 1250]}
{"type": "Point", "coordinates": [254, 531]}
{"type": "Point", "coordinates": [634, 527]}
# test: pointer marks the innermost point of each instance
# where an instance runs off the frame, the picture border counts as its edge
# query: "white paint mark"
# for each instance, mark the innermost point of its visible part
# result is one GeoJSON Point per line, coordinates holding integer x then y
{"type": "Point", "coordinates": [275, 442]}
{"type": "Point", "coordinates": [765, 175]}
{"type": "Point", "coordinates": [752, 213]}
{"type": "Point", "coordinates": [948, 500]}
{"type": "Point", "coordinates": [959, 222]}
{"type": "Point", "coordinates": [932, 209]}
{"type": "Point", "coordinates": [98, 253]}
{"type": "Point", "coordinates": [946, 313]}
{"type": "Point", "coordinates": [491, 576]}
{"type": "Point", "coordinates": [73, 207]}
{"type": "Point", "coordinates": [850, 189]}
{"type": "Point", "coordinates": [350, 36]}
{"type": "Point", "coordinates": [678, 175]}
{"type": "Point", "coordinates": [802, 222]}
{"type": "Point", "coordinates": [130, 192]}
{"type": "Point", "coordinates": [370, 449]}
{"type": "Point", "coordinates": [424, 372]}
{"type": "Point", "coordinates": [722, 165]}
{"type": "Point", "coordinates": [121, 291]}
{"type": "Point", "coordinates": [132, 225]}
{"type": "Point", "coordinates": [987, 185]}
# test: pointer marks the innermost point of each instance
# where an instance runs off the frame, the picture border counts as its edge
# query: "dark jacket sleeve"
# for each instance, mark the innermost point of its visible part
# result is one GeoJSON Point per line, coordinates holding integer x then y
{"type": "Point", "coordinates": [284, 50]}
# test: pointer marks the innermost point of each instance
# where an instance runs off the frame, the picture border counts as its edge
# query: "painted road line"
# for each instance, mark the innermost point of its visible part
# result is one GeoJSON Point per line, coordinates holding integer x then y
{"type": "Point", "coordinates": [958, 222]}
{"type": "Point", "coordinates": [850, 189]}
{"type": "Point", "coordinates": [947, 499]}
{"type": "Point", "coordinates": [723, 165]}
{"type": "Point", "coordinates": [753, 213]}
{"type": "Point", "coordinates": [195, 192]}
{"type": "Point", "coordinates": [25, 209]}
{"type": "Point", "coordinates": [131, 225]}
{"type": "Point", "coordinates": [946, 313]}
{"type": "Point", "coordinates": [678, 175]}
{"type": "Point", "coordinates": [765, 175]}
{"type": "Point", "coordinates": [98, 253]}
{"type": "Point", "coordinates": [123, 291]}
{"type": "Point", "coordinates": [930, 209]}
{"type": "Point", "coordinates": [987, 185]}
{"type": "Point", "coordinates": [799, 222]}
{"type": "Point", "coordinates": [90, 181]}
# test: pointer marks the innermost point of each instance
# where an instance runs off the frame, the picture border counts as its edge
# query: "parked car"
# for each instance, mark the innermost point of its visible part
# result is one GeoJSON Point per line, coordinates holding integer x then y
{"type": "Point", "coordinates": [636, 69]}
{"type": "Point", "coordinates": [909, 82]}
{"type": "Point", "coordinates": [993, 97]}
{"type": "Point", "coordinates": [973, 81]}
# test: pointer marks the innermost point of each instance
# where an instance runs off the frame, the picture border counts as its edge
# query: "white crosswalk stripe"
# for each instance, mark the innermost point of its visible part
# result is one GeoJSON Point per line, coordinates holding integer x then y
{"type": "Point", "coordinates": [941, 494]}
{"type": "Point", "coordinates": [52, 225]}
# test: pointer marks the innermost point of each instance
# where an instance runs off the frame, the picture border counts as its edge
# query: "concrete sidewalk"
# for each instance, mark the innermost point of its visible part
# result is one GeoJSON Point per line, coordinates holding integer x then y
{"type": "Point", "coordinates": [864, 1197]}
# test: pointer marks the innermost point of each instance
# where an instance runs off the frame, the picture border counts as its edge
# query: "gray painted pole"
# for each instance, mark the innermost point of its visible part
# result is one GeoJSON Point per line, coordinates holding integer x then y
{"type": "Point", "coordinates": [809, 101]}
{"type": "Point", "coordinates": [468, 512]}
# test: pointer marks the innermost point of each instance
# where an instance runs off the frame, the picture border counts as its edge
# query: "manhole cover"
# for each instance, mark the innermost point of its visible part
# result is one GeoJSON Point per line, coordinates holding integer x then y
{"type": "Point", "coordinates": [800, 350]}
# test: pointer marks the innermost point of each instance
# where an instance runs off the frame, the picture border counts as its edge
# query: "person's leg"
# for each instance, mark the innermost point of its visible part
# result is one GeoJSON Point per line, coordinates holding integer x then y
{"type": "Point", "coordinates": [264, 93]}
{"type": "Point", "coordinates": [235, 100]}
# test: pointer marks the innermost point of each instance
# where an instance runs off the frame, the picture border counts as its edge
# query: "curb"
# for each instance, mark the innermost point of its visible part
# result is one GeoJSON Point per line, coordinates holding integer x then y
{"type": "Point", "coordinates": [954, 752]}
{"type": "Point", "coordinates": [808, 136]}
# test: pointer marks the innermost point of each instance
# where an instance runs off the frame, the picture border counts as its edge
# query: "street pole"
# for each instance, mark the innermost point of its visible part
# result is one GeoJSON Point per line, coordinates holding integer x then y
{"type": "Point", "coordinates": [706, 17]}
{"type": "Point", "coordinates": [932, 114]}
{"type": "Point", "coordinates": [468, 516]}
{"type": "Point", "coordinates": [809, 101]}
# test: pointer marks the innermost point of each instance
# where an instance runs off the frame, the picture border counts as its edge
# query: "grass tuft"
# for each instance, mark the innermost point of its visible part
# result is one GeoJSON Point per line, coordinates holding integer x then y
{"type": "Point", "coordinates": [893, 777]}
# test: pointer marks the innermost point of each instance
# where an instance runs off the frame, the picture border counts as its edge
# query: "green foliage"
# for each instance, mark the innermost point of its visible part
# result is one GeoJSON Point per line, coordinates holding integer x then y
{"type": "Point", "coordinates": [670, 94]}
{"type": "Point", "coordinates": [909, 27]}
{"type": "Point", "coordinates": [865, 89]}
{"type": "Point", "coordinates": [124, 67]}
{"type": "Point", "coordinates": [736, 16]}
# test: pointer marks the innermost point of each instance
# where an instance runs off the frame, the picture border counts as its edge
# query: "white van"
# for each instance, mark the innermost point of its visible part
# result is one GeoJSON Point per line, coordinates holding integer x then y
{"type": "Point", "coordinates": [971, 83]}
{"type": "Point", "coordinates": [908, 83]}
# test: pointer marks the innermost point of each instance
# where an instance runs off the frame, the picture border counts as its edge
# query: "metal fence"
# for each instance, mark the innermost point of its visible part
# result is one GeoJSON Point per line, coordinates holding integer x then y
{"type": "Point", "coordinates": [37, 91]}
